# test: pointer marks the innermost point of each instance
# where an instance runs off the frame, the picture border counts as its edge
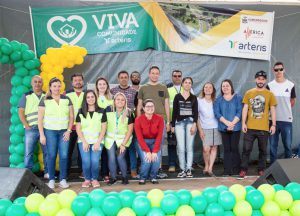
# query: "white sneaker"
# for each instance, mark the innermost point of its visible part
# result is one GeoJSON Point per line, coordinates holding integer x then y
{"type": "Point", "coordinates": [63, 184]}
{"type": "Point", "coordinates": [51, 184]}
{"type": "Point", "coordinates": [46, 176]}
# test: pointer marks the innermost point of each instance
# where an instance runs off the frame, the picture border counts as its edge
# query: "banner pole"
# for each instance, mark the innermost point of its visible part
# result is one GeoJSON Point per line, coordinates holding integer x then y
{"type": "Point", "coordinates": [34, 47]}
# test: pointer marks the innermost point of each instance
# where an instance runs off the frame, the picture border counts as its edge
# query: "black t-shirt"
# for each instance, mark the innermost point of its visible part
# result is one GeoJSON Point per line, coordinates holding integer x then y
{"type": "Point", "coordinates": [130, 116]}
{"type": "Point", "coordinates": [78, 120]}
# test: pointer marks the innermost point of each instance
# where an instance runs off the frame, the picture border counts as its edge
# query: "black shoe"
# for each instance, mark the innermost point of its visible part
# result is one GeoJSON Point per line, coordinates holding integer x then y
{"type": "Point", "coordinates": [112, 181]}
{"type": "Point", "coordinates": [125, 181]}
{"type": "Point", "coordinates": [142, 182]}
{"type": "Point", "coordinates": [154, 181]}
{"type": "Point", "coordinates": [161, 174]}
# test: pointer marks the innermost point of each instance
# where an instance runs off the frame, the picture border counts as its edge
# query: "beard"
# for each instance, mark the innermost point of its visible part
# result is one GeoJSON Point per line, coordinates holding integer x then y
{"type": "Point", "coordinates": [260, 85]}
{"type": "Point", "coordinates": [78, 86]}
{"type": "Point", "coordinates": [135, 82]}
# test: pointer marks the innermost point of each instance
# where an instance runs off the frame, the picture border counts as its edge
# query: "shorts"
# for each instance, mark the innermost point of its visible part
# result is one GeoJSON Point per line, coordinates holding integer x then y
{"type": "Point", "coordinates": [212, 137]}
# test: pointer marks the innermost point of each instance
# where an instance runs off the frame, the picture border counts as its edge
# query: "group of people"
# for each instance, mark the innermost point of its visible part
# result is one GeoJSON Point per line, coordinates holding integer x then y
{"type": "Point", "coordinates": [106, 123]}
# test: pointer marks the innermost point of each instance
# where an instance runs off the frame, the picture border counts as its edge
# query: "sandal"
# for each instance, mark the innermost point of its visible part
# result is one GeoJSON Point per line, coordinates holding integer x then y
{"type": "Point", "coordinates": [86, 184]}
{"type": "Point", "coordinates": [95, 184]}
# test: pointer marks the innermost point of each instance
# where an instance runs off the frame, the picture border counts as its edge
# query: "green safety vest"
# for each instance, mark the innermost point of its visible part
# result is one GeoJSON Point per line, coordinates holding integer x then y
{"type": "Point", "coordinates": [114, 133]}
{"type": "Point", "coordinates": [31, 107]}
{"type": "Point", "coordinates": [90, 127]}
{"type": "Point", "coordinates": [103, 103]}
{"type": "Point", "coordinates": [56, 115]}
{"type": "Point", "coordinates": [76, 101]}
{"type": "Point", "coordinates": [172, 93]}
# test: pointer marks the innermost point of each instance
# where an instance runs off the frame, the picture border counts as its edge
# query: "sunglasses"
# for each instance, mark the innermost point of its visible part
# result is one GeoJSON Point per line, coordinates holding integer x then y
{"type": "Point", "coordinates": [278, 69]}
{"type": "Point", "coordinates": [177, 76]}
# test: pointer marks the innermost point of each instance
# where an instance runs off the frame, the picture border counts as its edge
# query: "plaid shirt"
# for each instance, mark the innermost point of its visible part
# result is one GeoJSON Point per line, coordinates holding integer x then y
{"type": "Point", "coordinates": [129, 92]}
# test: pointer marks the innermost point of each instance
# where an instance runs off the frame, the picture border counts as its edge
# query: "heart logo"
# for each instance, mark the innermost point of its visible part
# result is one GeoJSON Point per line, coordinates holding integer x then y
{"type": "Point", "coordinates": [67, 31]}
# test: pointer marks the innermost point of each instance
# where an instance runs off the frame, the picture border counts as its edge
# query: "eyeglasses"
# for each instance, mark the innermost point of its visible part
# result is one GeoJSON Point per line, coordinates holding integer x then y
{"type": "Point", "coordinates": [177, 76]}
{"type": "Point", "coordinates": [278, 69]}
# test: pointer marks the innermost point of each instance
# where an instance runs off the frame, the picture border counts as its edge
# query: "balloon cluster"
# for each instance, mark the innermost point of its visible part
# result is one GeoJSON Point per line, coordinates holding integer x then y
{"type": "Point", "coordinates": [236, 200]}
{"type": "Point", "coordinates": [26, 66]}
{"type": "Point", "coordinates": [57, 59]}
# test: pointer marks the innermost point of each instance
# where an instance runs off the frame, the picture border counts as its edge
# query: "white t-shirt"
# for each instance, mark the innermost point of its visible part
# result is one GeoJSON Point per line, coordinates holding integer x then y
{"type": "Point", "coordinates": [206, 114]}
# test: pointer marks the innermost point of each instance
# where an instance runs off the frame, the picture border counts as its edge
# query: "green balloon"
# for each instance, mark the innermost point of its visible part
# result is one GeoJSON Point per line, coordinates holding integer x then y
{"type": "Point", "coordinates": [34, 72]}
{"type": "Point", "coordinates": [27, 81]}
{"type": "Point", "coordinates": [4, 205]}
{"type": "Point", "coordinates": [227, 200]}
{"type": "Point", "coordinates": [16, 56]}
{"type": "Point", "coordinates": [295, 208]}
{"type": "Point", "coordinates": [141, 193]}
{"type": "Point", "coordinates": [15, 120]}
{"type": "Point", "coordinates": [21, 165]}
{"type": "Point", "coordinates": [278, 187]}
{"type": "Point", "coordinates": [22, 71]}
{"type": "Point", "coordinates": [81, 205]}
{"type": "Point", "coordinates": [170, 203]}
{"type": "Point", "coordinates": [113, 193]}
{"type": "Point", "coordinates": [35, 158]}
{"type": "Point", "coordinates": [97, 197]}
{"type": "Point", "coordinates": [222, 188]}
{"type": "Point", "coordinates": [228, 213]}
{"type": "Point", "coordinates": [184, 196]}
{"type": "Point", "coordinates": [3, 40]}
{"type": "Point", "coordinates": [19, 64]}
{"type": "Point", "coordinates": [13, 90]}
{"type": "Point", "coordinates": [294, 189]}
{"type": "Point", "coordinates": [16, 209]}
{"type": "Point", "coordinates": [185, 210]}
{"type": "Point", "coordinates": [256, 213]}
{"type": "Point", "coordinates": [214, 209]}
{"type": "Point", "coordinates": [156, 212]}
{"type": "Point", "coordinates": [16, 80]}
{"type": "Point", "coordinates": [95, 212]}
{"type": "Point", "coordinates": [6, 48]}
{"type": "Point", "coordinates": [199, 204]}
{"type": "Point", "coordinates": [111, 205]}
{"type": "Point", "coordinates": [249, 188]}
{"type": "Point", "coordinates": [16, 45]}
{"type": "Point", "coordinates": [211, 194]}
{"type": "Point", "coordinates": [36, 167]}
{"type": "Point", "coordinates": [20, 148]}
{"type": "Point", "coordinates": [127, 197]}
{"type": "Point", "coordinates": [256, 199]}
{"type": "Point", "coordinates": [270, 208]}
{"type": "Point", "coordinates": [37, 62]}
{"type": "Point", "coordinates": [14, 110]}
{"type": "Point", "coordinates": [85, 194]}
{"type": "Point", "coordinates": [15, 139]}
{"type": "Point", "coordinates": [33, 202]}
{"type": "Point", "coordinates": [4, 59]}
{"type": "Point", "coordinates": [30, 64]}
{"type": "Point", "coordinates": [27, 55]}
{"type": "Point", "coordinates": [15, 159]}
{"type": "Point", "coordinates": [21, 90]}
{"type": "Point", "coordinates": [169, 192]}
{"type": "Point", "coordinates": [141, 205]}
{"type": "Point", "coordinates": [33, 214]}
{"type": "Point", "coordinates": [24, 47]}
{"type": "Point", "coordinates": [11, 149]}
{"type": "Point", "coordinates": [19, 129]}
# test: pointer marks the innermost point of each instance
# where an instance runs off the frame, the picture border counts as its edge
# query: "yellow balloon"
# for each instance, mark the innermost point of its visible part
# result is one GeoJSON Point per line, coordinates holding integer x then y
{"type": "Point", "coordinates": [79, 60]}
{"type": "Point", "coordinates": [43, 58]}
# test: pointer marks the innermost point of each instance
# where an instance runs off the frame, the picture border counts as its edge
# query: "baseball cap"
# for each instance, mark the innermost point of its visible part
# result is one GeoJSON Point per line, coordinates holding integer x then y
{"type": "Point", "coordinates": [261, 73]}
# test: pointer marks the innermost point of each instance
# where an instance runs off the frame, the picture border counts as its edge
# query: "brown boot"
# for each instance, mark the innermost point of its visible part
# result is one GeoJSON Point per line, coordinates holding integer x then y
{"type": "Point", "coordinates": [171, 169]}
{"type": "Point", "coordinates": [134, 174]}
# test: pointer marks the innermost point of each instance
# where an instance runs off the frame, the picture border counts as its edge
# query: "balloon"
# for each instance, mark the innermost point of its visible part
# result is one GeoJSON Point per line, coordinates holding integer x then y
{"type": "Point", "coordinates": [141, 193]}
{"type": "Point", "coordinates": [4, 59]}
{"type": "Point", "coordinates": [85, 194]}
{"type": "Point", "coordinates": [295, 208]}
{"type": "Point", "coordinates": [33, 202]}
{"type": "Point", "coordinates": [80, 205]}
{"type": "Point", "coordinates": [24, 47]}
{"type": "Point", "coordinates": [49, 207]}
{"type": "Point", "coordinates": [16, 56]}
{"type": "Point", "coordinates": [65, 212]}
{"type": "Point", "coordinates": [21, 90]}
{"type": "Point", "coordinates": [283, 199]}
{"type": "Point", "coordinates": [170, 203]}
{"type": "Point", "coordinates": [95, 212]}
{"type": "Point", "coordinates": [34, 72]}
{"type": "Point", "coordinates": [19, 64]}
{"type": "Point", "coordinates": [21, 165]}
{"type": "Point", "coordinates": [285, 213]}
{"type": "Point", "coordinates": [214, 209]}
{"type": "Point", "coordinates": [156, 212]}
{"type": "Point", "coordinates": [126, 212]}
{"type": "Point", "coordinates": [249, 188]}
{"type": "Point", "coordinates": [184, 196]}
{"type": "Point", "coordinates": [294, 189]}
{"type": "Point", "coordinates": [27, 81]}
{"type": "Point", "coordinates": [15, 120]}
{"type": "Point", "coordinates": [111, 205]}
{"type": "Point", "coordinates": [127, 197]}
{"type": "Point", "coordinates": [16, 45]}
{"type": "Point", "coordinates": [37, 62]}
{"type": "Point", "coordinates": [36, 167]}
{"type": "Point", "coordinates": [53, 196]}
{"type": "Point", "coordinates": [196, 193]}
{"type": "Point", "coordinates": [270, 208]}
{"type": "Point", "coordinates": [278, 187]}
{"type": "Point", "coordinates": [256, 199]}
{"type": "Point", "coordinates": [226, 200]}
{"type": "Point", "coordinates": [211, 194]}
{"type": "Point", "coordinates": [22, 71]}
{"type": "Point", "coordinates": [16, 209]}
{"type": "Point", "coordinates": [268, 191]}
{"type": "Point", "coordinates": [20, 148]}
{"type": "Point", "coordinates": [15, 158]}
{"type": "Point", "coordinates": [239, 191]}
{"type": "Point", "coordinates": [256, 213]}
{"type": "Point", "coordinates": [222, 188]}
{"type": "Point", "coordinates": [66, 197]}
{"type": "Point", "coordinates": [27, 55]}
{"type": "Point", "coordinates": [141, 205]}
{"type": "Point", "coordinates": [30, 64]}
{"type": "Point", "coordinates": [6, 49]}
{"type": "Point", "coordinates": [199, 203]}
{"type": "Point", "coordinates": [16, 80]}
{"type": "Point", "coordinates": [185, 210]}
{"type": "Point", "coordinates": [11, 149]}
{"type": "Point", "coordinates": [242, 208]}
{"type": "Point", "coordinates": [113, 193]}
{"type": "Point", "coordinates": [4, 205]}
{"type": "Point", "coordinates": [155, 196]}
{"type": "Point", "coordinates": [15, 139]}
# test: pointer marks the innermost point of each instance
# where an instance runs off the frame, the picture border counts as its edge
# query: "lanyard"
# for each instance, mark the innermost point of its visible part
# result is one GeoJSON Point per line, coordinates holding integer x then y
{"type": "Point", "coordinates": [117, 120]}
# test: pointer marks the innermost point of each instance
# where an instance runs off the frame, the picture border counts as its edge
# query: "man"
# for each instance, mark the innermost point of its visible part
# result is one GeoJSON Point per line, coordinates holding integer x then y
{"type": "Point", "coordinates": [28, 113]}
{"type": "Point", "coordinates": [284, 90]}
{"type": "Point", "coordinates": [173, 88]}
{"type": "Point", "coordinates": [135, 79]}
{"type": "Point", "coordinates": [255, 122]}
{"type": "Point", "coordinates": [76, 96]}
{"type": "Point", "coordinates": [130, 93]}
{"type": "Point", "coordinates": [159, 94]}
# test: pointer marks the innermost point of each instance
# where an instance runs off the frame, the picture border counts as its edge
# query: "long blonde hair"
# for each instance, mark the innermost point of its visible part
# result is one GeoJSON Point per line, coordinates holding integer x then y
{"type": "Point", "coordinates": [126, 111]}
{"type": "Point", "coordinates": [107, 93]}
{"type": "Point", "coordinates": [53, 80]}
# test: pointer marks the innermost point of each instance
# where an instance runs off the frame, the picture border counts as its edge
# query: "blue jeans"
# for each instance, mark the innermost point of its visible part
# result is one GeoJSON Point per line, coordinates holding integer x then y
{"type": "Point", "coordinates": [172, 153]}
{"type": "Point", "coordinates": [113, 155]}
{"type": "Point", "coordinates": [185, 143]}
{"type": "Point", "coordinates": [286, 130]}
{"type": "Point", "coordinates": [132, 153]}
{"type": "Point", "coordinates": [32, 137]}
{"type": "Point", "coordinates": [149, 169]}
{"type": "Point", "coordinates": [90, 162]}
{"type": "Point", "coordinates": [54, 142]}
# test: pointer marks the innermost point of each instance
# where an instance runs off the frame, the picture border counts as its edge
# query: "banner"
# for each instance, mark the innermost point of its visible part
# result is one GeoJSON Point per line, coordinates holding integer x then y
{"type": "Point", "coordinates": [188, 28]}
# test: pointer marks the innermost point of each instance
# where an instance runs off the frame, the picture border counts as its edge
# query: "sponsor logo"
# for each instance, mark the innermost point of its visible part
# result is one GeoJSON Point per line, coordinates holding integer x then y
{"type": "Point", "coordinates": [247, 46]}
{"type": "Point", "coordinates": [253, 33]}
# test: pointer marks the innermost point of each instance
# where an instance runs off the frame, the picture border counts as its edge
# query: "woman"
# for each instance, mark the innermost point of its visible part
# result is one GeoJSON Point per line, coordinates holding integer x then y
{"type": "Point", "coordinates": [228, 110]}
{"type": "Point", "coordinates": [149, 131]}
{"type": "Point", "coordinates": [104, 101]}
{"type": "Point", "coordinates": [118, 136]}
{"type": "Point", "coordinates": [55, 120]}
{"type": "Point", "coordinates": [184, 123]}
{"type": "Point", "coordinates": [208, 127]}
{"type": "Point", "coordinates": [90, 135]}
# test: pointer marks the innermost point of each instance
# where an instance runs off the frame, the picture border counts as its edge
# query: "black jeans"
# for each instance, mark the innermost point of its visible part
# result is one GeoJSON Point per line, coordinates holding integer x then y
{"type": "Point", "coordinates": [72, 143]}
{"type": "Point", "coordinates": [262, 138]}
{"type": "Point", "coordinates": [232, 159]}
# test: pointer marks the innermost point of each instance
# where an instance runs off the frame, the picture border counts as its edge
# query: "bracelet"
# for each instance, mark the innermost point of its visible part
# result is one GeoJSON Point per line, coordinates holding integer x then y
{"type": "Point", "coordinates": [69, 131]}
{"type": "Point", "coordinates": [274, 125]}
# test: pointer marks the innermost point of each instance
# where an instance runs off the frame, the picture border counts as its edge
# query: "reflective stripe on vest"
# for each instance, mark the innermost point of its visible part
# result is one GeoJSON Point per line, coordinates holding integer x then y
{"type": "Point", "coordinates": [31, 108]}
{"type": "Point", "coordinates": [76, 101]}
{"type": "Point", "coordinates": [114, 134]}
{"type": "Point", "coordinates": [56, 115]}
{"type": "Point", "coordinates": [90, 127]}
